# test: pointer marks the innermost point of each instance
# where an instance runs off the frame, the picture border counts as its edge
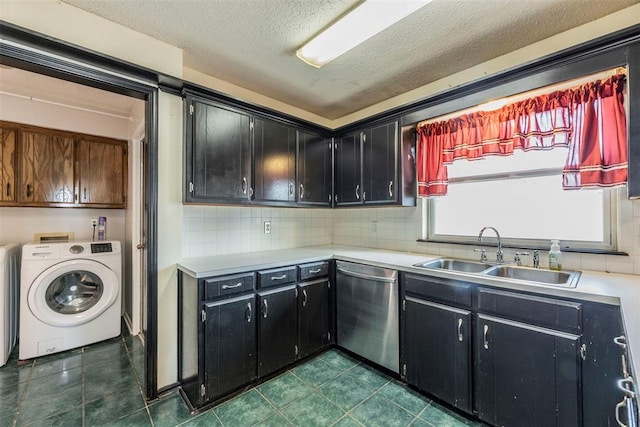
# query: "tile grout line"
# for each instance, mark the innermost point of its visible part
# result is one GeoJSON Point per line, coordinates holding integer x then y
{"type": "Point", "coordinates": [24, 394]}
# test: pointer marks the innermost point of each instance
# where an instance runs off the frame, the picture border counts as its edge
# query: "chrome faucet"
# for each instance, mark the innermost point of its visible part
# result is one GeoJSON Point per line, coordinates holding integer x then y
{"type": "Point", "coordinates": [536, 259]}
{"type": "Point", "coordinates": [499, 254]}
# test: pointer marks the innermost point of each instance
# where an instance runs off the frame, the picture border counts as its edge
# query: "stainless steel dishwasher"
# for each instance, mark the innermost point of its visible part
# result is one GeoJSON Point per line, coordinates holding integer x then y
{"type": "Point", "coordinates": [368, 310]}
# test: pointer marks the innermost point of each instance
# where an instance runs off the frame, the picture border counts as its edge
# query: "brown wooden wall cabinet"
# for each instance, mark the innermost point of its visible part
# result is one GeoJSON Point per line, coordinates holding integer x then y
{"type": "Point", "coordinates": [50, 168]}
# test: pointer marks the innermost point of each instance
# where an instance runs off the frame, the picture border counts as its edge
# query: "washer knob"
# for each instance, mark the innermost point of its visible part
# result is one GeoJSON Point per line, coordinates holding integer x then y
{"type": "Point", "coordinates": [76, 249]}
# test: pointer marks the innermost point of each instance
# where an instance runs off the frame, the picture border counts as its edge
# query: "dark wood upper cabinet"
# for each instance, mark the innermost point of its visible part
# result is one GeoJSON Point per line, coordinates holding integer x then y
{"type": "Point", "coordinates": [218, 157]}
{"type": "Point", "coordinates": [8, 145]}
{"type": "Point", "coordinates": [380, 163]}
{"type": "Point", "coordinates": [46, 166]}
{"type": "Point", "coordinates": [274, 161]}
{"type": "Point", "coordinates": [314, 169]}
{"type": "Point", "coordinates": [101, 167]}
{"type": "Point", "coordinates": [348, 173]}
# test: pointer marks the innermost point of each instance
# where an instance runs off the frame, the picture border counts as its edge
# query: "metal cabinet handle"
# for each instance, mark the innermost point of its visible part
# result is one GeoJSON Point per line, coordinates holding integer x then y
{"type": "Point", "coordinates": [302, 191]}
{"type": "Point", "coordinates": [460, 330]}
{"type": "Point", "coordinates": [621, 341]}
{"type": "Point", "coordinates": [622, 404]}
{"type": "Point", "coordinates": [84, 194]}
{"type": "Point", "coordinates": [251, 192]}
{"type": "Point", "coordinates": [284, 276]}
{"type": "Point", "coordinates": [364, 195]}
{"type": "Point", "coordinates": [315, 271]}
{"type": "Point", "coordinates": [358, 192]}
{"type": "Point", "coordinates": [304, 301]}
{"type": "Point", "coordinates": [249, 312]}
{"type": "Point", "coordinates": [484, 336]}
{"type": "Point", "coordinates": [29, 190]}
{"type": "Point", "coordinates": [8, 189]}
{"type": "Point", "coordinates": [290, 189]}
{"type": "Point", "coordinates": [265, 308]}
{"type": "Point", "coordinates": [390, 188]}
{"type": "Point", "coordinates": [244, 185]}
{"type": "Point", "coordinates": [237, 285]}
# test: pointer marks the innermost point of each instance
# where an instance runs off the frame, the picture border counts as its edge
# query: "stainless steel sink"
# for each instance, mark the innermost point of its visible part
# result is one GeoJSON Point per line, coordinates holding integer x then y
{"type": "Point", "coordinates": [567, 279]}
{"type": "Point", "coordinates": [454, 265]}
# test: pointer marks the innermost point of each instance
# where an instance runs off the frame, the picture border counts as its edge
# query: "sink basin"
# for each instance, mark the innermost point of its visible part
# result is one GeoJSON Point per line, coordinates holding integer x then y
{"type": "Point", "coordinates": [567, 279]}
{"type": "Point", "coordinates": [454, 265]}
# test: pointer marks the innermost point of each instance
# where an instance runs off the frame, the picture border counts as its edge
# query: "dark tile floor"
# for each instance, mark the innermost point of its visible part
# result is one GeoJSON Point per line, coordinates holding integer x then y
{"type": "Point", "coordinates": [100, 385]}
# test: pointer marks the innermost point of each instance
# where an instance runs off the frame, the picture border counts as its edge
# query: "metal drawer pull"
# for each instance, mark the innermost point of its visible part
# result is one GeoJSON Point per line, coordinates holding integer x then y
{"type": "Point", "coordinates": [358, 192]}
{"type": "Point", "coordinates": [460, 330]}
{"type": "Point", "coordinates": [304, 301]}
{"type": "Point", "coordinates": [244, 185]}
{"type": "Point", "coordinates": [237, 285]}
{"type": "Point", "coordinates": [284, 276]}
{"type": "Point", "coordinates": [315, 271]}
{"type": "Point", "coordinates": [290, 189]}
{"type": "Point", "coordinates": [626, 385]}
{"type": "Point", "coordinates": [249, 312]}
{"type": "Point", "coordinates": [265, 308]}
{"type": "Point", "coordinates": [486, 332]}
{"type": "Point", "coordinates": [621, 341]}
{"type": "Point", "coordinates": [390, 188]}
{"type": "Point", "coordinates": [302, 191]}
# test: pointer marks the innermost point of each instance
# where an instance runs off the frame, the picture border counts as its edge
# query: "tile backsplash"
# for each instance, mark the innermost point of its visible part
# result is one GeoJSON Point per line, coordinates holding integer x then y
{"type": "Point", "coordinates": [217, 230]}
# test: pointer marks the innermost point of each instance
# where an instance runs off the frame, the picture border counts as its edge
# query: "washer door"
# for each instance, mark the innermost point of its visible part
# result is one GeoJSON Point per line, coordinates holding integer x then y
{"type": "Point", "coordinates": [73, 292]}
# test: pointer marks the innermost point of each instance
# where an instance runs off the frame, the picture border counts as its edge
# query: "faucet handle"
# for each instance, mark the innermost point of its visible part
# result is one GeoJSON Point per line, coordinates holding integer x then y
{"type": "Point", "coordinates": [483, 254]}
{"type": "Point", "coordinates": [517, 258]}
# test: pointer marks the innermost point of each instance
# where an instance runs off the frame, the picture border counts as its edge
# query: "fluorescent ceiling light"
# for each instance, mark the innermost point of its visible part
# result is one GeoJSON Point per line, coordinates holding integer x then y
{"type": "Point", "coordinates": [368, 19]}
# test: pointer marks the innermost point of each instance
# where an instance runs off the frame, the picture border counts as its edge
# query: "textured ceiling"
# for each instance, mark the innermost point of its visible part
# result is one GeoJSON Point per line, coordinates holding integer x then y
{"type": "Point", "coordinates": [252, 43]}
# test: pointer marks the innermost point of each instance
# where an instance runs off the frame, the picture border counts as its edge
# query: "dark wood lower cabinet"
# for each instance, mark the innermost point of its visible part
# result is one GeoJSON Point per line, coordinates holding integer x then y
{"type": "Point", "coordinates": [277, 329]}
{"type": "Point", "coordinates": [313, 317]}
{"type": "Point", "coordinates": [229, 345]}
{"type": "Point", "coordinates": [438, 351]}
{"type": "Point", "coordinates": [526, 375]}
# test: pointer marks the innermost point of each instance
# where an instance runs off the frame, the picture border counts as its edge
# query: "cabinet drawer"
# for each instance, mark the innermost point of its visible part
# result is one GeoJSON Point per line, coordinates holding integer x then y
{"type": "Point", "coordinates": [313, 270]}
{"type": "Point", "coordinates": [438, 289]}
{"type": "Point", "coordinates": [277, 276]}
{"type": "Point", "coordinates": [541, 311]}
{"type": "Point", "coordinates": [228, 285]}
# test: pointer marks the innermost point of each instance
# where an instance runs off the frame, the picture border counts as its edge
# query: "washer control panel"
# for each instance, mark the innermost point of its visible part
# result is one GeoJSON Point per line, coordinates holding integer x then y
{"type": "Point", "coordinates": [97, 248]}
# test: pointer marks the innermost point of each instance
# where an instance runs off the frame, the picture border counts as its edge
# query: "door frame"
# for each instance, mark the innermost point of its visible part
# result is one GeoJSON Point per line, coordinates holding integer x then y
{"type": "Point", "coordinates": [45, 55]}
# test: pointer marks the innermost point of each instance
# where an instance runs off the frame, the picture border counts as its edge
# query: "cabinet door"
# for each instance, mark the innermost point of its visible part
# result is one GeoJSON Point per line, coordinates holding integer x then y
{"type": "Point", "coordinates": [278, 329]}
{"type": "Point", "coordinates": [348, 178]}
{"type": "Point", "coordinates": [526, 375]}
{"type": "Point", "coordinates": [229, 345]}
{"type": "Point", "coordinates": [379, 164]}
{"type": "Point", "coordinates": [219, 154]}
{"type": "Point", "coordinates": [438, 351]}
{"type": "Point", "coordinates": [102, 172]}
{"type": "Point", "coordinates": [275, 161]}
{"type": "Point", "coordinates": [46, 168]}
{"type": "Point", "coordinates": [8, 144]}
{"type": "Point", "coordinates": [314, 169]}
{"type": "Point", "coordinates": [313, 315]}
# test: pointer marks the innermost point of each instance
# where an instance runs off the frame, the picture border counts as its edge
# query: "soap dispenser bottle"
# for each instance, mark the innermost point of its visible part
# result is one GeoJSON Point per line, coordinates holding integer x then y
{"type": "Point", "coordinates": [555, 256]}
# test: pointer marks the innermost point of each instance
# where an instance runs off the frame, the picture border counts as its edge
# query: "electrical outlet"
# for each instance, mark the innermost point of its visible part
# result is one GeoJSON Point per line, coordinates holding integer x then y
{"type": "Point", "coordinates": [94, 222]}
{"type": "Point", "coordinates": [267, 227]}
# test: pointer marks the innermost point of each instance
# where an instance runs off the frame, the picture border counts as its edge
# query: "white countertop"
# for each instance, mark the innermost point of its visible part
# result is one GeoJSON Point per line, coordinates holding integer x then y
{"type": "Point", "coordinates": [608, 288]}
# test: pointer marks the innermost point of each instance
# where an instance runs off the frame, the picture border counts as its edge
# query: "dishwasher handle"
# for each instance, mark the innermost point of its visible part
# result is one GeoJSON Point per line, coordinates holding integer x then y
{"type": "Point", "coordinates": [367, 276]}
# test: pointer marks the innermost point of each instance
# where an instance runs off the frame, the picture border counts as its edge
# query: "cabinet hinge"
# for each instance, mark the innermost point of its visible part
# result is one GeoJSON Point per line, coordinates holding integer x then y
{"type": "Point", "coordinates": [190, 187]}
{"type": "Point", "coordinates": [583, 351]}
{"type": "Point", "coordinates": [404, 305]}
{"type": "Point", "coordinates": [191, 109]}
{"type": "Point", "coordinates": [296, 348]}
{"type": "Point", "coordinates": [203, 390]}
{"type": "Point", "coordinates": [203, 315]}
{"type": "Point", "coordinates": [404, 370]}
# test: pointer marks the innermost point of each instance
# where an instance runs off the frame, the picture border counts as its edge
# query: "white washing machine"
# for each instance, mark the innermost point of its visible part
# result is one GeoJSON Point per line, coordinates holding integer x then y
{"type": "Point", "coordinates": [9, 288]}
{"type": "Point", "coordinates": [70, 295]}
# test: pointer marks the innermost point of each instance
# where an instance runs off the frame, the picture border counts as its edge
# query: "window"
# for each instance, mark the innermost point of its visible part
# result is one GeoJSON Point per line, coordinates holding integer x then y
{"type": "Point", "coordinates": [521, 195]}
